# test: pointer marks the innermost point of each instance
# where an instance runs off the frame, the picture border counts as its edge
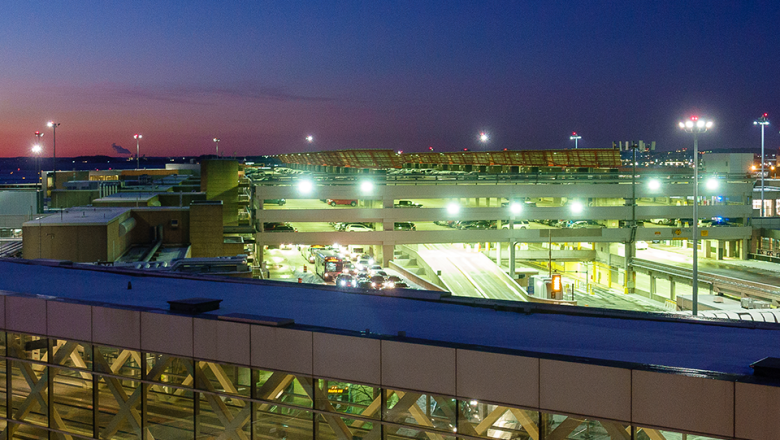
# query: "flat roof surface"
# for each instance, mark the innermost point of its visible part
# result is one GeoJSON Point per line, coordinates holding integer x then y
{"type": "Point", "coordinates": [128, 196]}
{"type": "Point", "coordinates": [79, 216]}
{"type": "Point", "coordinates": [692, 345]}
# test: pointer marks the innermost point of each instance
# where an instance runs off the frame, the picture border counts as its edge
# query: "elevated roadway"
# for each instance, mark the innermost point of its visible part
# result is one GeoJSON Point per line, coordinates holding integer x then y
{"type": "Point", "coordinates": [470, 273]}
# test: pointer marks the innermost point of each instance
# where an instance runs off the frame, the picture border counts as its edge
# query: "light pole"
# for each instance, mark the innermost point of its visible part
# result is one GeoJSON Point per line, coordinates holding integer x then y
{"type": "Point", "coordinates": [695, 126]}
{"type": "Point", "coordinates": [309, 138]}
{"type": "Point", "coordinates": [37, 149]}
{"type": "Point", "coordinates": [216, 141]}
{"type": "Point", "coordinates": [575, 137]}
{"type": "Point", "coordinates": [763, 122]}
{"type": "Point", "coordinates": [53, 125]}
{"type": "Point", "coordinates": [137, 138]}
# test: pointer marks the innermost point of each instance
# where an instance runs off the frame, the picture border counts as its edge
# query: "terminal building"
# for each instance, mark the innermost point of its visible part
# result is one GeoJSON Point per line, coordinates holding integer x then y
{"type": "Point", "coordinates": [96, 352]}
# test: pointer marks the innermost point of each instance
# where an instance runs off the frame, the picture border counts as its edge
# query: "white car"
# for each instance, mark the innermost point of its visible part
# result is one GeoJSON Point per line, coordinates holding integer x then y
{"type": "Point", "coordinates": [641, 245]}
{"type": "Point", "coordinates": [357, 228]}
{"type": "Point", "coordinates": [517, 224]}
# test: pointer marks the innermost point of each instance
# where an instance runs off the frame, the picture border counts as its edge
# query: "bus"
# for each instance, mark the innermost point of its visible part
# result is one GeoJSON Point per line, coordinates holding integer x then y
{"type": "Point", "coordinates": [328, 264]}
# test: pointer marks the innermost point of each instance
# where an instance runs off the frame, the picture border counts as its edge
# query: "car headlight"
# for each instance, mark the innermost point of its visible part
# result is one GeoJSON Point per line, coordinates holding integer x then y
{"type": "Point", "coordinates": [390, 285]}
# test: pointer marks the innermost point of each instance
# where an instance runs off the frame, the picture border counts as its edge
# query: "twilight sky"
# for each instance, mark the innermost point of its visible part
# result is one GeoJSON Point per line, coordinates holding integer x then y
{"type": "Point", "coordinates": [262, 75]}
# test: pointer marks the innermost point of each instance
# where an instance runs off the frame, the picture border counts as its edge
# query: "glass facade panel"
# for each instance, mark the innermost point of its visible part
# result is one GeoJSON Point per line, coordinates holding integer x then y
{"type": "Point", "coordinates": [286, 388]}
{"type": "Point", "coordinates": [333, 427]}
{"type": "Point", "coordinates": [477, 419]}
{"type": "Point", "coordinates": [427, 410]}
{"type": "Point", "coordinates": [29, 385]}
{"type": "Point", "coordinates": [72, 354]}
{"type": "Point", "coordinates": [274, 422]}
{"type": "Point", "coordinates": [224, 416]}
{"type": "Point", "coordinates": [170, 412]}
{"type": "Point", "coordinates": [28, 347]}
{"type": "Point", "coordinates": [147, 395]}
{"type": "Point", "coordinates": [576, 428]}
{"type": "Point", "coordinates": [72, 401]}
{"type": "Point", "coordinates": [348, 398]}
{"type": "Point", "coordinates": [167, 369]}
{"type": "Point", "coordinates": [652, 434]}
{"type": "Point", "coordinates": [117, 361]}
{"type": "Point", "coordinates": [224, 378]}
{"type": "Point", "coordinates": [119, 408]}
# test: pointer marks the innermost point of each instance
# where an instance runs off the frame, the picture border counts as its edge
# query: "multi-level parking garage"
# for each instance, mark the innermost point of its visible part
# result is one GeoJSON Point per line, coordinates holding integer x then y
{"type": "Point", "coordinates": [622, 211]}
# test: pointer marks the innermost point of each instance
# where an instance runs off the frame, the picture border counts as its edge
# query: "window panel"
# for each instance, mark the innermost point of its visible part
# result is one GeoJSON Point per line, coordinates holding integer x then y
{"type": "Point", "coordinates": [170, 413]}
{"type": "Point", "coordinates": [29, 400]}
{"type": "Point", "coordinates": [348, 398]}
{"type": "Point", "coordinates": [274, 422]}
{"type": "Point", "coordinates": [227, 417]}
{"type": "Point", "coordinates": [224, 378]}
{"type": "Point", "coordinates": [73, 401]}
{"type": "Point", "coordinates": [72, 354]}
{"type": "Point", "coordinates": [428, 410]}
{"type": "Point", "coordinates": [479, 419]}
{"type": "Point", "coordinates": [169, 369]}
{"type": "Point", "coordinates": [281, 387]}
{"type": "Point", "coordinates": [119, 408]}
{"type": "Point", "coordinates": [117, 361]}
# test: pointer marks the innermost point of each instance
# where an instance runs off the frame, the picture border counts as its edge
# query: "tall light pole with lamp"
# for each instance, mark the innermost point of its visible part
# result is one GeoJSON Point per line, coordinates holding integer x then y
{"type": "Point", "coordinates": [695, 126]}
{"type": "Point", "coordinates": [53, 125]}
{"type": "Point", "coordinates": [137, 138]}
{"type": "Point", "coordinates": [37, 149]}
{"type": "Point", "coordinates": [216, 141]}
{"type": "Point", "coordinates": [763, 122]}
{"type": "Point", "coordinates": [575, 137]}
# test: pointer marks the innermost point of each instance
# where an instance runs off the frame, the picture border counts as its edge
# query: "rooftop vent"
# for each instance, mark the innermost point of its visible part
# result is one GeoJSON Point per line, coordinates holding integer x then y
{"type": "Point", "coordinates": [767, 367]}
{"type": "Point", "coordinates": [194, 306]}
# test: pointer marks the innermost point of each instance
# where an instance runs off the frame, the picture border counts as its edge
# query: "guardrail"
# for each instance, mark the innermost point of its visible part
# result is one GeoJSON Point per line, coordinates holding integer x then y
{"type": "Point", "coordinates": [718, 283]}
{"type": "Point", "coordinates": [485, 179]}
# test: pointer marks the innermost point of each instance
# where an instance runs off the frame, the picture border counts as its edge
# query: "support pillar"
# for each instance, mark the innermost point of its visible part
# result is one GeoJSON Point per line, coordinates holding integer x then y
{"type": "Point", "coordinates": [387, 254]}
{"type": "Point", "coordinates": [707, 248]}
{"type": "Point", "coordinates": [721, 249]}
{"type": "Point", "coordinates": [630, 277]}
{"type": "Point", "coordinates": [743, 249]}
{"type": "Point", "coordinates": [512, 245]}
{"type": "Point", "coordinates": [498, 254]}
{"type": "Point", "coordinates": [652, 285]}
{"type": "Point", "coordinates": [672, 293]}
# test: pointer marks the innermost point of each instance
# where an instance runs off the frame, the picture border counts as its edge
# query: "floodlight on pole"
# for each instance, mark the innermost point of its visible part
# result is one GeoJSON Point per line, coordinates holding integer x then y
{"type": "Point", "coordinates": [53, 125]}
{"type": "Point", "coordinates": [484, 137]}
{"type": "Point", "coordinates": [695, 126]}
{"type": "Point", "coordinates": [309, 138]}
{"type": "Point", "coordinates": [137, 138]}
{"type": "Point", "coordinates": [575, 137]}
{"type": "Point", "coordinates": [216, 141]}
{"type": "Point", "coordinates": [763, 122]}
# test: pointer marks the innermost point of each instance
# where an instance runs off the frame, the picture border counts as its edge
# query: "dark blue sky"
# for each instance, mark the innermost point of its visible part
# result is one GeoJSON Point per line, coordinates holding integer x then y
{"type": "Point", "coordinates": [402, 74]}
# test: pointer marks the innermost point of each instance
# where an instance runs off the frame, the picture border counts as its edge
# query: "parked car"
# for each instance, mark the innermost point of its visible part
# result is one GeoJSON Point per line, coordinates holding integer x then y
{"type": "Point", "coordinates": [357, 228]}
{"type": "Point", "coordinates": [586, 224]}
{"type": "Point", "coordinates": [394, 278]}
{"type": "Point", "coordinates": [278, 227]}
{"type": "Point", "coordinates": [279, 202]}
{"type": "Point", "coordinates": [401, 285]}
{"type": "Point", "coordinates": [407, 204]}
{"type": "Point", "coordinates": [641, 245]}
{"type": "Point", "coordinates": [363, 283]}
{"type": "Point", "coordinates": [334, 202]}
{"type": "Point", "coordinates": [476, 224]}
{"type": "Point", "coordinates": [404, 226]}
{"type": "Point", "coordinates": [517, 224]}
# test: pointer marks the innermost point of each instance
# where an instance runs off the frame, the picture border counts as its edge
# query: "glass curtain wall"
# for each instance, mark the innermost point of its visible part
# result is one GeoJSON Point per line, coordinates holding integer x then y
{"type": "Point", "coordinates": [59, 389]}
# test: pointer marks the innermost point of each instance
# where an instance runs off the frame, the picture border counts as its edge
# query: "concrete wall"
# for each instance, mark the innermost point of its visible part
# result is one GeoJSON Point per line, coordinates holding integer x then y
{"type": "Point", "coordinates": [149, 218]}
{"type": "Point", "coordinates": [206, 230]}
{"type": "Point", "coordinates": [219, 180]}
{"type": "Point", "coordinates": [17, 207]}
{"type": "Point", "coordinates": [81, 243]}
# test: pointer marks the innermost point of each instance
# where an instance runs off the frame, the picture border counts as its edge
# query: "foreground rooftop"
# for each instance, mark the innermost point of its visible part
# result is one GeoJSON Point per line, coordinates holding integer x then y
{"type": "Point", "coordinates": [601, 336]}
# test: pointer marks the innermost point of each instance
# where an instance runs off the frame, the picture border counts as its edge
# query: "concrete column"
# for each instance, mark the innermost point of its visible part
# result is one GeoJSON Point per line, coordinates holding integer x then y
{"type": "Point", "coordinates": [387, 254]}
{"type": "Point", "coordinates": [707, 248]}
{"type": "Point", "coordinates": [630, 279]}
{"type": "Point", "coordinates": [743, 249]}
{"type": "Point", "coordinates": [512, 245]}
{"type": "Point", "coordinates": [672, 294]}
{"type": "Point", "coordinates": [476, 200]}
{"type": "Point", "coordinates": [652, 285]}
{"type": "Point", "coordinates": [721, 249]}
{"type": "Point", "coordinates": [498, 254]}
